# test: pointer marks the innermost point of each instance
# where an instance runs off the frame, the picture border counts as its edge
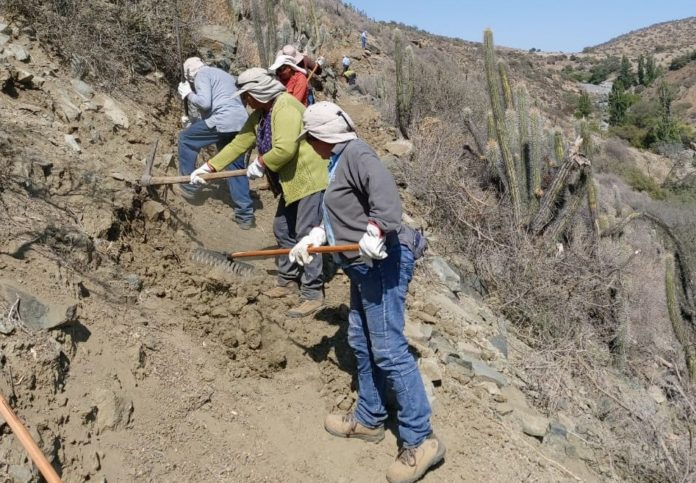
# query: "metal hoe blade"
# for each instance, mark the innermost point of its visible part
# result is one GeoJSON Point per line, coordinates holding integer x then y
{"type": "Point", "coordinates": [220, 261]}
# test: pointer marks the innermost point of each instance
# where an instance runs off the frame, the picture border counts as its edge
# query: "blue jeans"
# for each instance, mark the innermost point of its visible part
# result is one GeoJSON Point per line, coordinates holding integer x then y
{"type": "Point", "coordinates": [376, 334]}
{"type": "Point", "coordinates": [197, 136]}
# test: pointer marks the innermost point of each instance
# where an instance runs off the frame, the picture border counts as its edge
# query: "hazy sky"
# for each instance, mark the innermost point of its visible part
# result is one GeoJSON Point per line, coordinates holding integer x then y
{"type": "Point", "coordinates": [568, 25]}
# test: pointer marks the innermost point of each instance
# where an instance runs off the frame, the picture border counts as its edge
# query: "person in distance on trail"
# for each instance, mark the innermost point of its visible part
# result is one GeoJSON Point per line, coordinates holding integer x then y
{"type": "Point", "coordinates": [363, 39]}
{"type": "Point", "coordinates": [346, 63]}
{"type": "Point", "coordinates": [294, 78]}
{"type": "Point", "coordinates": [295, 173]}
{"type": "Point", "coordinates": [222, 117]}
{"type": "Point", "coordinates": [361, 205]}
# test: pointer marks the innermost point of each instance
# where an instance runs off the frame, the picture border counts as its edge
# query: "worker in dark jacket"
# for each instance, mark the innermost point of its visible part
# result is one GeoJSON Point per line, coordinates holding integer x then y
{"type": "Point", "coordinates": [361, 205]}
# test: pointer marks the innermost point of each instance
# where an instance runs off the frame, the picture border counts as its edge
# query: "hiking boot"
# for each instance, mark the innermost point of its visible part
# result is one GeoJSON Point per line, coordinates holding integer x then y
{"type": "Point", "coordinates": [246, 224]}
{"type": "Point", "coordinates": [412, 463]}
{"type": "Point", "coordinates": [188, 195]}
{"type": "Point", "coordinates": [346, 426]}
{"type": "Point", "coordinates": [307, 307]}
{"type": "Point", "coordinates": [281, 291]}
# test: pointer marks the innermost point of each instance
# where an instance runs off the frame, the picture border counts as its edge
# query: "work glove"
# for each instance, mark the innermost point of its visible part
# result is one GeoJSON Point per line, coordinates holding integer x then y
{"type": "Point", "coordinates": [185, 121]}
{"type": "Point", "coordinates": [300, 254]}
{"type": "Point", "coordinates": [372, 245]}
{"type": "Point", "coordinates": [255, 169]}
{"type": "Point", "coordinates": [195, 176]}
{"type": "Point", "coordinates": [184, 89]}
{"type": "Point", "coordinates": [321, 61]}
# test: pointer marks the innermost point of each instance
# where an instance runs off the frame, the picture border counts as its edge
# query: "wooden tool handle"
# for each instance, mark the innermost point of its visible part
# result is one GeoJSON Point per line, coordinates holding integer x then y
{"type": "Point", "coordinates": [284, 251]}
{"type": "Point", "coordinates": [29, 444]}
{"type": "Point", "coordinates": [159, 180]}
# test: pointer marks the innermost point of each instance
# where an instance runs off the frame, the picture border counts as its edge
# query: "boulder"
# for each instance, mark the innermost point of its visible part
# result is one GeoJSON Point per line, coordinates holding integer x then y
{"type": "Point", "coordinates": [83, 89]}
{"type": "Point", "coordinates": [5, 28]}
{"type": "Point", "coordinates": [153, 210]}
{"type": "Point", "coordinates": [4, 39]}
{"type": "Point", "coordinates": [446, 274]}
{"type": "Point", "coordinates": [18, 52]}
{"type": "Point", "coordinates": [113, 411]}
{"type": "Point", "coordinates": [114, 112]}
{"type": "Point", "coordinates": [71, 141]}
{"type": "Point", "coordinates": [401, 148]}
{"type": "Point", "coordinates": [64, 107]}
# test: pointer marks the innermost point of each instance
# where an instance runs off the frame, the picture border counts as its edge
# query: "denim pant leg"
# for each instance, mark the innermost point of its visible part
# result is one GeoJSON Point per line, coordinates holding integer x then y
{"type": "Point", "coordinates": [371, 409]}
{"type": "Point", "coordinates": [191, 140]}
{"type": "Point", "coordinates": [284, 231]}
{"type": "Point", "coordinates": [382, 291]}
{"type": "Point", "coordinates": [239, 192]}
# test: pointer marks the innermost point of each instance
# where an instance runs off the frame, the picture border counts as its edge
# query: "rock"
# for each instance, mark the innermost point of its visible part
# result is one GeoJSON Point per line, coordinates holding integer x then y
{"type": "Point", "coordinates": [464, 347]}
{"type": "Point", "coordinates": [480, 370]}
{"type": "Point", "coordinates": [428, 319]}
{"type": "Point", "coordinates": [83, 89]}
{"type": "Point", "coordinates": [113, 411]}
{"type": "Point", "coordinates": [500, 343]}
{"type": "Point", "coordinates": [20, 474]}
{"type": "Point", "coordinates": [96, 222]}
{"type": "Point", "coordinates": [533, 425]}
{"type": "Point", "coordinates": [23, 77]}
{"type": "Point", "coordinates": [442, 347]}
{"type": "Point", "coordinates": [401, 148]}
{"type": "Point", "coordinates": [35, 313]}
{"type": "Point", "coordinates": [18, 52]}
{"type": "Point", "coordinates": [657, 394]}
{"type": "Point", "coordinates": [4, 39]}
{"type": "Point", "coordinates": [446, 274]}
{"type": "Point", "coordinates": [431, 309]}
{"type": "Point", "coordinates": [430, 369]}
{"type": "Point", "coordinates": [153, 210]}
{"type": "Point", "coordinates": [134, 282]}
{"type": "Point", "coordinates": [65, 108]}
{"type": "Point", "coordinates": [115, 113]}
{"type": "Point", "coordinates": [5, 28]}
{"type": "Point", "coordinates": [6, 75]}
{"type": "Point", "coordinates": [71, 141]}
{"type": "Point", "coordinates": [417, 331]}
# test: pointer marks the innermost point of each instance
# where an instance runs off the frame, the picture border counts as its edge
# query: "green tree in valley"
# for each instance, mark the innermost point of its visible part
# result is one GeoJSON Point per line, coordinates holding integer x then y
{"type": "Point", "coordinates": [666, 129]}
{"type": "Point", "coordinates": [641, 70]}
{"type": "Point", "coordinates": [651, 71]}
{"type": "Point", "coordinates": [583, 107]}
{"type": "Point", "coordinates": [619, 102]}
{"type": "Point", "coordinates": [626, 73]}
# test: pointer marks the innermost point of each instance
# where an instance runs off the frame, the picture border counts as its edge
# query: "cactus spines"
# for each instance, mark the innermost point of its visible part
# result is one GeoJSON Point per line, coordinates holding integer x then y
{"type": "Point", "coordinates": [592, 208]}
{"type": "Point", "coordinates": [558, 149]}
{"type": "Point", "coordinates": [405, 77]}
{"type": "Point", "coordinates": [495, 161]}
{"type": "Point", "coordinates": [570, 207]}
{"type": "Point", "coordinates": [491, 126]}
{"type": "Point", "coordinates": [534, 160]}
{"type": "Point", "coordinates": [587, 147]}
{"type": "Point", "coordinates": [500, 128]}
{"type": "Point", "coordinates": [678, 326]}
{"type": "Point", "coordinates": [505, 84]}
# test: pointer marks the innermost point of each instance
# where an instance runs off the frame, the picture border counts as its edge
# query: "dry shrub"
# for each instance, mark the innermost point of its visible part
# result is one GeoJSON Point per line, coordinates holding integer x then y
{"type": "Point", "coordinates": [112, 41]}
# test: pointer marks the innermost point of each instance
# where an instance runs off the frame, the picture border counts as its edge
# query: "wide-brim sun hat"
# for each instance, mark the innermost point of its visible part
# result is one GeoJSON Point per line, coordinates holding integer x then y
{"type": "Point", "coordinates": [259, 83]}
{"type": "Point", "coordinates": [292, 52]}
{"type": "Point", "coordinates": [282, 60]}
{"type": "Point", "coordinates": [191, 67]}
{"type": "Point", "coordinates": [327, 122]}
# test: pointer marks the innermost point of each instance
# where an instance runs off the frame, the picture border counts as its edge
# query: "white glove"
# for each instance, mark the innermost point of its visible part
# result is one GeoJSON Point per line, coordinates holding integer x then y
{"type": "Point", "coordinates": [372, 245]}
{"type": "Point", "coordinates": [321, 61]}
{"type": "Point", "coordinates": [184, 89]}
{"type": "Point", "coordinates": [195, 176]}
{"type": "Point", "coordinates": [300, 254]}
{"type": "Point", "coordinates": [185, 121]}
{"type": "Point", "coordinates": [255, 169]}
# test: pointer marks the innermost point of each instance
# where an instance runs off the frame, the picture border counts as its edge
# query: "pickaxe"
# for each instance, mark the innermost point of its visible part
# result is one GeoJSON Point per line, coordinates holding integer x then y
{"type": "Point", "coordinates": [148, 180]}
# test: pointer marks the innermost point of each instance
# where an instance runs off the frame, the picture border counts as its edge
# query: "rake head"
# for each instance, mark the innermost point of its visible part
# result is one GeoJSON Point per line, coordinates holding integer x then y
{"type": "Point", "coordinates": [221, 261]}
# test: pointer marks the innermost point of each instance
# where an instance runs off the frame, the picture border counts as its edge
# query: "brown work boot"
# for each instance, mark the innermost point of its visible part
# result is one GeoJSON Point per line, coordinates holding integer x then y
{"type": "Point", "coordinates": [307, 307]}
{"type": "Point", "coordinates": [346, 426]}
{"type": "Point", "coordinates": [412, 463]}
{"type": "Point", "coordinates": [281, 291]}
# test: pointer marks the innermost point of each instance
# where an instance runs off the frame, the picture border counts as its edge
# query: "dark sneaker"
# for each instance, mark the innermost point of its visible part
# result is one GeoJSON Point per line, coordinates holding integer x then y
{"type": "Point", "coordinates": [346, 426]}
{"type": "Point", "coordinates": [412, 463]}
{"type": "Point", "coordinates": [188, 195]}
{"type": "Point", "coordinates": [307, 307]}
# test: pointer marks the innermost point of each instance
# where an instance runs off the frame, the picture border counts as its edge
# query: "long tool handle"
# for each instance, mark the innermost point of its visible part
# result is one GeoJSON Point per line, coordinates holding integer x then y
{"type": "Point", "coordinates": [29, 444]}
{"type": "Point", "coordinates": [158, 180]}
{"type": "Point", "coordinates": [284, 251]}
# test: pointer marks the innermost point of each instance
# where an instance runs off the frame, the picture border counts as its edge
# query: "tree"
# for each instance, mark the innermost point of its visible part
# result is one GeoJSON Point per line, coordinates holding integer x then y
{"type": "Point", "coordinates": [641, 70]}
{"type": "Point", "coordinates": [626, 73]}
{"type": "Point", "coordinates": [667, 129]}
{"type": "Point", "coordinates": [583, 107]}
{"type": "Point", "coordinates": [619, 102]}
{"type": "Point", "coordinates": [651, 72]}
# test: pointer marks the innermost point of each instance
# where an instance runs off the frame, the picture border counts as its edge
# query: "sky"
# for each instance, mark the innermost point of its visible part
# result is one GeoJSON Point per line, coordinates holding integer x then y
{"type": "Point", "coordinates": [566, 26]}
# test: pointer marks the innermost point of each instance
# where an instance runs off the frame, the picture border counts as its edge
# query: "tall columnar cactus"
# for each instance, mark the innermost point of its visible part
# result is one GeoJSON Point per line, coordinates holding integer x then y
{"type": "Point", "coordinates": [678, 326]}
{"type": "Point", "coordinates": [505, 84]}
{"type": "Point", "coordinates": [258, 23]}
{"type": "Point", "coordinates": [490, 123]}
{"type": "Point", "coordinates": [500, 128]}
{"type": "Point", "coordinates": [496, 167]}
{"type": "Point", "coordinates": [588, 146]}
{"type": "Point", "coordinates": [593, 209]}
{"type": "Point", "coordinates": [558, 149]}
{"type": "Point", "coordinates": [561, 221]}
{"type": "Point", "coordinates": [535, 154]}
{"type": "Point", "coordinates": [271, 29]}
{"type": "Point", "coordinates": [405, 78]}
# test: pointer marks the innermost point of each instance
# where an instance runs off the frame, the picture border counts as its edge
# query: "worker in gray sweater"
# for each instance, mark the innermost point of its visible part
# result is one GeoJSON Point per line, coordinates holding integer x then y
{"type": "Point", "coordinates": [361, 205]}
{"type": "Point", "coordinates": [223, 115]}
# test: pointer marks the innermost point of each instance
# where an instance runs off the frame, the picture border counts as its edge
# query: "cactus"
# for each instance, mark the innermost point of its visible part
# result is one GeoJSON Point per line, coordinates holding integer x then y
{"type": "Point", "coordinates": [523, 129]}
{"type": "Point", "coordinates": [560, 223]}
{"type": "Point", "coordinates": [592, 208]}
{"type": "Point", "coordinates": [505, 84]}
{"type": "Point", "coordinates": [491, 127]}
{"type": "Point", "coordinates": [548, 202]}
{"type": "Point", "coordinates": [405, 76]}
{"type": "Point", "coordinates": [678, 326]}
{"type": "Point", "coordinates": [475, 133]}
{"type": "Point", "coordinates": [500, 128]}
{"type": "Point", "coordinates": [535, 159]}
{"type": "Point", "coordinates": [271, 29]}
{"type": "Point", "coordinates": [496, 168]}
{"type": "Point", "coordinates": [558, 149]}
{"type": "Point", "coordinates": [588, 146]}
